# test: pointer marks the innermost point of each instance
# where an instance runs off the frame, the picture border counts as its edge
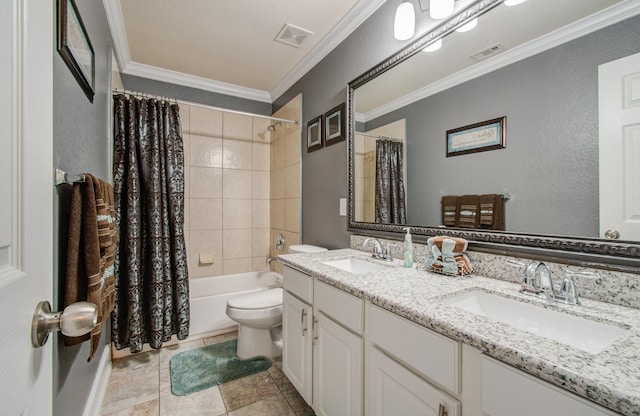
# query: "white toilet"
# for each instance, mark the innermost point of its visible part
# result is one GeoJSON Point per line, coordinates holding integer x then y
{"type": "Point", "coordinates": [259, 314]}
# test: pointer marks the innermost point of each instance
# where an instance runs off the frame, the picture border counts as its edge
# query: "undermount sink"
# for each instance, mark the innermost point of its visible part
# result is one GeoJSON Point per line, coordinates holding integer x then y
{"type": "Point", "coordinates": [355, 266]}
{"type": "Point", "coordinates": [584, 334]}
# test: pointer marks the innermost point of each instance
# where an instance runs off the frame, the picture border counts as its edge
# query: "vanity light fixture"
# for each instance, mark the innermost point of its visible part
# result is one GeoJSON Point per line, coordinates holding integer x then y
{"type": "Point", "coordinates": [434, 46]}
{"type": "Point", "coordinates": [470, 25]}
{"type": "Point", "coordinates": [439, 9]}
{"type": "Point", "coordinates": [404, 25]}
{"type": "Point", "coordinates": [513, 2]}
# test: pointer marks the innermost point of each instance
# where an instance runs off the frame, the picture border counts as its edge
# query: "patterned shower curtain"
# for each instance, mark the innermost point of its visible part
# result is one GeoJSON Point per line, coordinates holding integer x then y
{"type": "Point", "coordinates": [390, 200]}
{"type": "Point", "coordinates": [152, 287]}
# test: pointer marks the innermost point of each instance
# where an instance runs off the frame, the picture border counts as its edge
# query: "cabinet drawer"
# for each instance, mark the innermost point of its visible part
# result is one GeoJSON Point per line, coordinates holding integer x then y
{"type": "Point", "coordinates": [339, 305]}
{"type": "Point", "coordinates": [298, 283]}
{"type": "Point", "coordinates": [430, 354]}
{"type": "Point", "coordinates": [507, 391]}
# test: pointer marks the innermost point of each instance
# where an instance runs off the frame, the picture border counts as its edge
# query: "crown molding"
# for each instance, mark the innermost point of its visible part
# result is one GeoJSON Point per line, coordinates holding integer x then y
{"type": "Point", "coordinates": [356, 16]}
{"type": "Point", "coordinates": [350, 22]}
{"type": "Point", "coordinates": [600, 20]}
{"type": "Point", "coordinates": [186, 80]}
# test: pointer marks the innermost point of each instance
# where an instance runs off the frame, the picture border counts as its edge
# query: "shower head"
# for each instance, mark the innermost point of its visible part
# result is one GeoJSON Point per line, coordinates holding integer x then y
{"type": "Point", "coordinates": [272, 127]}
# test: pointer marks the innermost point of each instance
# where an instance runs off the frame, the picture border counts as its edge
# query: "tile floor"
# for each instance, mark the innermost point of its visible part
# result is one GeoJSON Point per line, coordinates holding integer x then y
{"type": "Point", "coordinates": [140, 385]}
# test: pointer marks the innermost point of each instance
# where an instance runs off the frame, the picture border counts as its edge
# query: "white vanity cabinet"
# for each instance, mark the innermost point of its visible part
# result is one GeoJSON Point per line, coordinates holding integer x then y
{"type": "Point", "coordinates": [322, 344]}
{"type": "Point", "coordinates": [401, 358]}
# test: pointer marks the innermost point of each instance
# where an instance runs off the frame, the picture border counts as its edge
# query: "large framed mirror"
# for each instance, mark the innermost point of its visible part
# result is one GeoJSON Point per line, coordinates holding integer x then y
{"type": "Point", "coordinates": [540, 65]}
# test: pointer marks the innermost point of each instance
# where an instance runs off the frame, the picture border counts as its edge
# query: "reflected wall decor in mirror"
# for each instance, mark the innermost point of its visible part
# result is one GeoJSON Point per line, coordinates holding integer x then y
{"type": "Point", "coordinates": [545, 66]}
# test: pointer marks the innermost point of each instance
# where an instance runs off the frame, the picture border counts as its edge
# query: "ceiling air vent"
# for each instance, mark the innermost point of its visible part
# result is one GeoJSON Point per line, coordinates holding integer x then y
{"type": "Point", "coordinates": [490, 51]}
{"type": "Point", "coordinates": [292, 35]}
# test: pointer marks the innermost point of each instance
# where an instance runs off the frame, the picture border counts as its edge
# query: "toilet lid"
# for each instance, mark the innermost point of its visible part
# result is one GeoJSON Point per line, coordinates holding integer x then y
{"type": "Point", "coordinates": [258, 300]}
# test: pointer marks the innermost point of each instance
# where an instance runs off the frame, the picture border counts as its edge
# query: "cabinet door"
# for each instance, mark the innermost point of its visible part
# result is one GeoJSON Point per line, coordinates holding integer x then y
{"type": "Point", "coordinates": [297, 344]}
{"type": "Point", "coordinates": [507, 391]}
{"type": "Point", "coordinates": [393, 390]}
{"type": "Point", "coordinates": [337, 370]}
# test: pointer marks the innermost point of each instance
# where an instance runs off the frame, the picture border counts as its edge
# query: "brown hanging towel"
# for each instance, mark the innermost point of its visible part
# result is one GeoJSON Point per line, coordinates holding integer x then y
{"type": "Point", "coordinates": [449, 210]}
{"type": "Point", "coordinates": [90, 255]}
{"type": "Point", "coordinates": [468, 215]}
{"type": "Point", "coordinates": [492, 211]}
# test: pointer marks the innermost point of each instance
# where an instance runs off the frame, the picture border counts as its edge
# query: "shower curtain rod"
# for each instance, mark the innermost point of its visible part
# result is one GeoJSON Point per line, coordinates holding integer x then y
{"type": "Point", "coordinates": [380, 137]}
{"type": "Point", "coordinates": [210, 107]}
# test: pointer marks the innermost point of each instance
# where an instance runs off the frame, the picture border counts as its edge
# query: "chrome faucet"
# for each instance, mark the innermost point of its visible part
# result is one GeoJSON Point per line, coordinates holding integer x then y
{"type": "Point", "coordinates": [270, 259]}
{"type": "Point", "coordinates": [537, 281]}
{"type": "Point", "coordinates": [378, 252]}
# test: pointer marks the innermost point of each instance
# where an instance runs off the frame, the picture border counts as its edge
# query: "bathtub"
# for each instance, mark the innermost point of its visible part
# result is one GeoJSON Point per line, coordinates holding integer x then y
{"type": "Point", "coordinates": [208, 297]}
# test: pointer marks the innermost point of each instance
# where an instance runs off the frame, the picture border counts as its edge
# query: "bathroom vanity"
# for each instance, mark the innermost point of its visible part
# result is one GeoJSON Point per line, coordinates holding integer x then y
{"type": "Point", "coordinates": [367, 337]}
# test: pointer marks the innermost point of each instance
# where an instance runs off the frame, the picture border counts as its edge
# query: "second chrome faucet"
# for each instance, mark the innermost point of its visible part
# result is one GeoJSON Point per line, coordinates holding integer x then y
{"type": "Point", "coordinates": [379, 251]}
{"type": "Point", "coordinates": [538, 282]}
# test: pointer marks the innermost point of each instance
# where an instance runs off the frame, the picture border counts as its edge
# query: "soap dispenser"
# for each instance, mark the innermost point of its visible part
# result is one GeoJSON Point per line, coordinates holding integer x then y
{"type": "Point", "coordinates": [408, 249]}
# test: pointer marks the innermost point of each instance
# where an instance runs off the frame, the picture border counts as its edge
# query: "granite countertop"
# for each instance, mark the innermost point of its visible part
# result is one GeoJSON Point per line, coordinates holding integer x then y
{"type": "Point", "coordinates": [610, 378]}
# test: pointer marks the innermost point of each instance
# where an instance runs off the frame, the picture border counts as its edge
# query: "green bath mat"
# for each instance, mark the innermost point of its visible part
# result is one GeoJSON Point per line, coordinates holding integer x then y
{"type": "Point", "coordinates": [199, 369]}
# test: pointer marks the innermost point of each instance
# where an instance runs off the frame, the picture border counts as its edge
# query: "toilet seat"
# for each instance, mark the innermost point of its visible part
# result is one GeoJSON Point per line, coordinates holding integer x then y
{"type": "Point", "coordinates": [263, 299]}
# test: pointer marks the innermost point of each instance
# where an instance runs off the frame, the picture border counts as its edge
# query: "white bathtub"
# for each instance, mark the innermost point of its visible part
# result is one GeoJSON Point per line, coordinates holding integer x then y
{"type": "Point", "coordinates": [208, 296]}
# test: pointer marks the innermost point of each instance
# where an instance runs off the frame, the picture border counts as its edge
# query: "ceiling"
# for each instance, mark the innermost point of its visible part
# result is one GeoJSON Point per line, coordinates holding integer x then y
{"type": "Point", "coordinates": [228, 46]}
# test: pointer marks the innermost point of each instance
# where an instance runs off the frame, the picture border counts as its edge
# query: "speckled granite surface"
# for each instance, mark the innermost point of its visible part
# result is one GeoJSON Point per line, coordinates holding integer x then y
{"type": "Point", "coordinates": [610, 378]}
{"type": "Point", "coordinates": [612, 286]}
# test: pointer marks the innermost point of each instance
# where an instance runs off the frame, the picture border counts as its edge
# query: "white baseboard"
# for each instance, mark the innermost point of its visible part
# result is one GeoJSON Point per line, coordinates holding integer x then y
{"type": "Point", "coordinates": [99, 388]}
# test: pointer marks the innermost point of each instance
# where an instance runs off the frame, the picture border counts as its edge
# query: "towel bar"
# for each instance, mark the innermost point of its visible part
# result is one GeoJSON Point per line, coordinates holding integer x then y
{"type": "Point", "coordinates": [69, 178]}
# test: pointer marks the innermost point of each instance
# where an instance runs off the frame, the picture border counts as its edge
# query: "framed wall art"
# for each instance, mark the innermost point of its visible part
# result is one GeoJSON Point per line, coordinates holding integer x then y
{"type": "Point", "coordinates": [75, 47]}
{"type": "Point", "coordinates": [479, 137]}
{"type": "Point", "coordinates": [315, 137]}
{"type": "Point", "coordinates": [334, 126]}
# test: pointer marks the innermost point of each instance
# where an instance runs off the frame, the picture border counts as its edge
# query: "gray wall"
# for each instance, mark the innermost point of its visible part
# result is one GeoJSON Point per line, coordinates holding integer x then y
{"type": "Point", "coordinates": [550, 163]}
{"type": "Point", "coordinates": [324, 172]}
{"type": "Point", "coordinates": [195, 95]}
{"type": "Point", "coordinates": [80, 144]}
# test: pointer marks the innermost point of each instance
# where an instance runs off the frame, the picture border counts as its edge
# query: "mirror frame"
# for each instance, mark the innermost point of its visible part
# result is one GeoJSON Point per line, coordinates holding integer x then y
{"type": "Point", "coordinates": [594, 252]}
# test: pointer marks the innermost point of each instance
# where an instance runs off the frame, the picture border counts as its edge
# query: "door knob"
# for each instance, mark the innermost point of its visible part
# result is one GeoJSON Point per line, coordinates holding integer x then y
{"type": "Point", "coordinates": [77, 319]}
{"type": "Point", "coordinates": [612, 234]}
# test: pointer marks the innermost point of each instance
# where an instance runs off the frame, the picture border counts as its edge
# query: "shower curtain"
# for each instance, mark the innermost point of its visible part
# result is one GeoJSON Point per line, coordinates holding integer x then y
{"type": "Point", "coordinates": [152, 288]}
{"type": "Point", "coordinates": [390, 200]}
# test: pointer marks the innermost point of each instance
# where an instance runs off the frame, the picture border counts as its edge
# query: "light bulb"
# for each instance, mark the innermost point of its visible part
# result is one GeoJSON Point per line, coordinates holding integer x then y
{"type": "Point", "coordinates": [470, 25]}
{"type": "Point", "coordinates": [439, 9]}
{"type": "Point", "coordinates": [513, 2]}
{"type": "Point", "coordinates": [404, 25]}
{"type": "Point", "coordinates": [434, 46]}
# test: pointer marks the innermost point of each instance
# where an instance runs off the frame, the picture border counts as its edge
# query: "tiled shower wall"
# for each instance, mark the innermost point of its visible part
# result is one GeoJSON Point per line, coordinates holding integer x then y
{"type": "Point", "coordinates": [242, 188]}
{"type": "Point", "coordinates": [227, 191]}
{"type": "Point", "coordinates": [285, 179]}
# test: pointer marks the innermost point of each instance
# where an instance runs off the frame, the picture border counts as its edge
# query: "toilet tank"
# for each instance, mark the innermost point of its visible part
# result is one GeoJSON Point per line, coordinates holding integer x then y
{"type": "Point", "coordinates": [305, 248]}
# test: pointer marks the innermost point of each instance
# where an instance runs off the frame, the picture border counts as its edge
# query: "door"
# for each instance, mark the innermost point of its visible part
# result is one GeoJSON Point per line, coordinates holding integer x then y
{"type": "Point", "coordinates": [297, 345]}
{"type": "Point", "coordinates": [393, 390]}
{"type": "Point", "coordinates": [337, 370]}
{"type": "Point", "coordinates": [619, 102]}
{"type": "Point", "coordinates": [26, 82]}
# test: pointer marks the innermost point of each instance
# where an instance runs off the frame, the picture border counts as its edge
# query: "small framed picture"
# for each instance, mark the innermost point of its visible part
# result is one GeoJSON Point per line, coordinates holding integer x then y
{"type": "Point", "coordinates": [75, 47]}
{"type": "Point", "coordinates": [315, 138]}
{"type": "Point", "coordinates": [478, 137]}
{"type": "Point", "coordinates": [334, 125]}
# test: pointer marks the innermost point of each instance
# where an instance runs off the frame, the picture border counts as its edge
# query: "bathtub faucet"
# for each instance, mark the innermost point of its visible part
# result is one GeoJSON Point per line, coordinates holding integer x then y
{"type": "Point", "coordinates": [270, 259]}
